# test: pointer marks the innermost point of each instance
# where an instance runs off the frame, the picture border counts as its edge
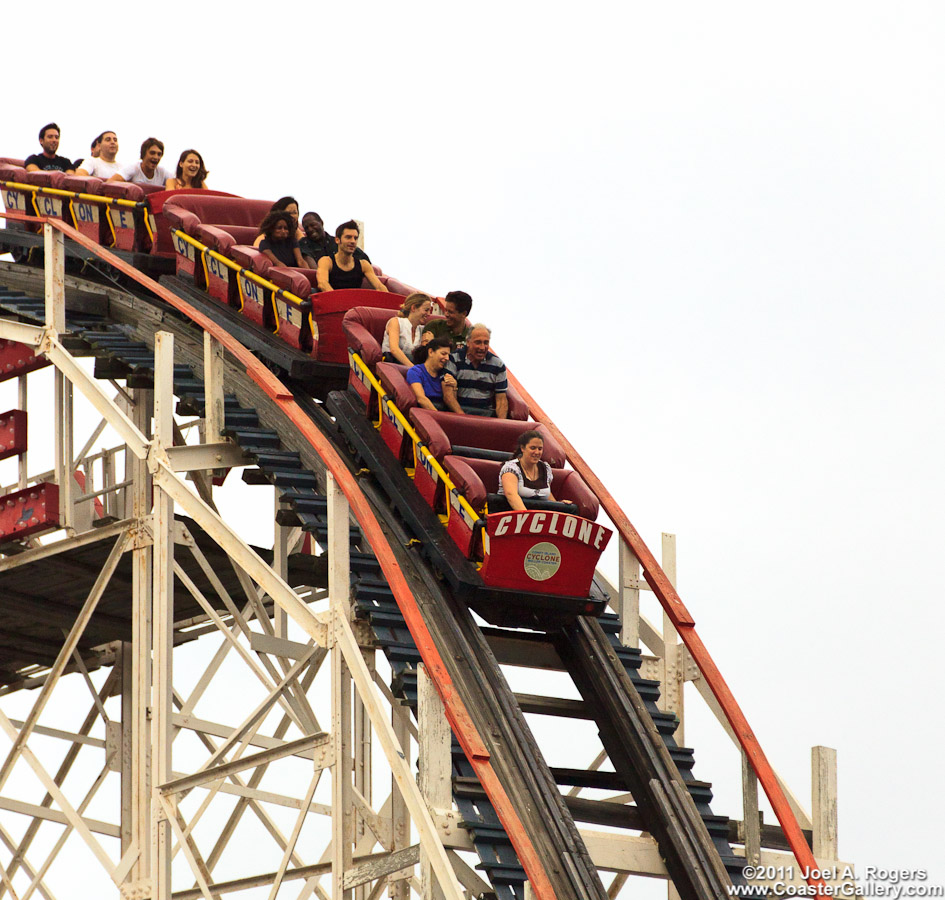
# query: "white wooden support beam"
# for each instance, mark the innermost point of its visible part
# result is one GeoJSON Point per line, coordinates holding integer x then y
{"type": "Point", "coordinates": [73, 817]}
{"type": "Point", "coordinates": [197, 457]}
{"type": "Point", "coordinates": [280, 564]}
{"type": "Point", "coordinates": [399, 888]}
{"type": "Point", "coordinates": [628, 596]}
{"type": "Point", "coordinates": [34, 810]}
{"type": "Point", "coordinates": [55, 271]}
{"type": "Point", "coordinates": [32, 335]}
{"type": "Point", "coordinates": [162, 622]}
{"type": "Point", "coordinates": [435, 766]}
{"type": "Point", "coordinates": [342, 799]}
{"type": "Point", "coordinates": [62, 412]}
{"type": "Point", "coordinates": [213, 386]}
{"type": "Point", "coordinates": [140, 692]}
{"type": "Point", "coordinates": [64, 656]}
{"type": "Point", "coordinates": [671, 674]}
{"type": "Point", "coordinates": [317, 744]}
{"type": "Point", "coordinates": [397, 760]}
{"type": "Point", "coordinates": [66, 363]}
{"type": "Point", "coordinates": [751, 817]}
{"type": "Point", "coordinates": [824, 802]}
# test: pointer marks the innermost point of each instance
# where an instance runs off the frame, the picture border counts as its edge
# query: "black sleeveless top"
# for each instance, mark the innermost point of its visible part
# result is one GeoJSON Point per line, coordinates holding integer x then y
{"type": "Point", "coordinates": [341, 280]}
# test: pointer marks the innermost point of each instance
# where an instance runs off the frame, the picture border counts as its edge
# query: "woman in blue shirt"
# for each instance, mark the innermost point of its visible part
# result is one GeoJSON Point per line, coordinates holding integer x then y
{"type": "Point", "coordinates": [426, 378]}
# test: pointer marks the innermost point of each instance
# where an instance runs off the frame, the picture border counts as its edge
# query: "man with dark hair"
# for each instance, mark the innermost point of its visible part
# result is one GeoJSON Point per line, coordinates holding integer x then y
{"type": "Point", "coordinates": [317, 243]}
{"type": "Point", "coordinates": [147, 171]}
{"type": "Point", "coordinates": [342, 270]}
{"type": "Point", "coordinates": [48, 161]}
{"type": "Point", "coordinates": [94, 150]}
{"type": "Point", "coordinates": [106, 165]}
{"type": "Point", "coordinates": [481, 381]}
{"type": "Point", "coordinates": [456, 307]}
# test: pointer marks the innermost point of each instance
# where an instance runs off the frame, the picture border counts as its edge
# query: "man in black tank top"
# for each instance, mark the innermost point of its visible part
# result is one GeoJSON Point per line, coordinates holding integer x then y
{"type": "Point", "coordinates": [343, 270]}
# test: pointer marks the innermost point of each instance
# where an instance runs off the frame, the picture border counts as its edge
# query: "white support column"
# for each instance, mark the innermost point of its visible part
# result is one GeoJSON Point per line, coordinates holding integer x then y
{"type": "Point", "coordinates": [362, 763]}
{"type": "Point", "coordinates": [435, 767]}
{"type": "Point", "coordinates": [63, 448]}
{"type": "Point", "coordinates": [399, 889]}
{"type": "Point", "coordinates": [55, 279]}
{"type": "Point", "coordinates": [213, 387]}
{"type": "Point", "coordinates": [751, 817]}
{"type": "Point", "coordinates": [628, 603]}
{"type": "Point", "coordinates": [55, 274]}
{"type": "Point", "coordinates": [280, 565]}
{"type": "Point", "coordinates": [671, 689]}
{"type": "Point", "coordinates": [824, 802]}
{"type": "Point", "coordinates": [342, 800]}
{"type": "Point", "coordinates": [162, 622]}
{"type": "Point", "coordinates": [136, 469]}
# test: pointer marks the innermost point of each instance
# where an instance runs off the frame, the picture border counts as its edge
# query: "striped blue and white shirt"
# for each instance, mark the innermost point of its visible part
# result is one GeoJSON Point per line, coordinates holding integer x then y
{"type": "Point", "coordinates": [476, 386]}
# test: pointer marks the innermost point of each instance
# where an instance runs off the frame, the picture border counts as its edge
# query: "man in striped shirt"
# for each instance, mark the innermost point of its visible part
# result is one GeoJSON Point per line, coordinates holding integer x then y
{"type": "Point", "coordinates": [481, 384]}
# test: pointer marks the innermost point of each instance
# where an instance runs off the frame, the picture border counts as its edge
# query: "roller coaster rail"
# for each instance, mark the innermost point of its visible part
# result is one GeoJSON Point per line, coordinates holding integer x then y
{"type": "Point", "coordinates": [137, 513]}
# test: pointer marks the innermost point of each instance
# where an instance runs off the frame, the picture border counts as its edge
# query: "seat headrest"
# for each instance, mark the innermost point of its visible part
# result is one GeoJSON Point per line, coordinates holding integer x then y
{"type": "Point", "coordinates": [289, 278]}
{"type": "Point", "coordinates": [215, 210]}
{"type": "Point", "coordinates": [10, 172]}
{"type": "Point", "coordinates": [82, 184]}
{"type": "Point", "coordinates": [123, 190]}
{"type": "Point", "coordinates": [441, 431]}
{"type": "Point", "coordinates": [394, 381]}
{"type": "Point", "coordinates": [45, 179]}
{"type": "Point", "coordinates": [251, 258]}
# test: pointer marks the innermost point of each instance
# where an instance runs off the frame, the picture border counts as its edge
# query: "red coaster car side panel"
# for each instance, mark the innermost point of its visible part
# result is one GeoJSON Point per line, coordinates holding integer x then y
{"type": "Point", "coordinates": [533, 550]}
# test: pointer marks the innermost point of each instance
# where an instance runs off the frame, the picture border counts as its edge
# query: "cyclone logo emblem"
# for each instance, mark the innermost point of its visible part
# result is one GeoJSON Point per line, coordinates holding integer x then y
{"type": "Point", "coordinates": [542, 561]}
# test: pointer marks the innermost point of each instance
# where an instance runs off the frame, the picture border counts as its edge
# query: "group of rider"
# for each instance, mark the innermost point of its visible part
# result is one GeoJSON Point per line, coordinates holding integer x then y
{"type": "Point", "coordinates": [450, 364]}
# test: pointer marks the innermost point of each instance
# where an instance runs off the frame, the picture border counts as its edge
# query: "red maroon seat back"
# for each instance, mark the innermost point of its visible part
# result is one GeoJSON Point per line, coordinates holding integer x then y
{"type": "Point", "coordinates": [13, 173]}
{"type": "Point", "coordinates": [477, 478]}
{"type": "Point", "coordinates": [89, 217]}
{"type": "Point", "coordinates": [163, 244]}
{"type": "Point", "coordinates": [300, 281]}
{"type": "Point", "coordinates": [188, 210]}
{"type": "Point", "coordinates": [82, 184]}
{"type": "Point", "coordinates": [123, 190]}
{"type": "Point", "coordinates": [10, 161]}
{"type": "Point", "coordinates": [45, 179]}
{"type": "Point", "coordinates": [222, 238]}
{"type": "Point", "coordinates": [393, 285]}
{"type": "Point", "coordinates": [363, 327]}
{"type": "Point", "coordinates": [393, 379]}
{"type": "Point", "coordinates": [442, 431]}
{"type": "Point", "coordinates": [330, 309]}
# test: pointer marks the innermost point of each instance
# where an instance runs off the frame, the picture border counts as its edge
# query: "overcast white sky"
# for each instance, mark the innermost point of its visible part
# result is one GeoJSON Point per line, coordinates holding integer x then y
{"type": "Point", "coordinates": [708, 238]}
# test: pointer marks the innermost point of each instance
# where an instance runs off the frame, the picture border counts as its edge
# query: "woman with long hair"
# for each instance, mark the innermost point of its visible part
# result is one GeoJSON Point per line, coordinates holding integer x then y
{"type": "Point", "coordinates": [191, 173]}
{"type": "Point", "coordinates": [426, 378]}
{"type": "Point", "coordinates": [526, 475]}
{"type": "Point", "coordinates": [403, 332]}
{"type": "Point", "coordinates": [291, 206]}
{"type": "Point", "coordinates": [278, 242]}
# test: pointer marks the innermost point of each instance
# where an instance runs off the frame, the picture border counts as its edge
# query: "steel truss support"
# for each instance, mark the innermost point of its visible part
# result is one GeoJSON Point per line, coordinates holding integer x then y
{"type": "Point", "coordinates": [186, 754]}
{"type": "Point", "coordinates": [160, 802]}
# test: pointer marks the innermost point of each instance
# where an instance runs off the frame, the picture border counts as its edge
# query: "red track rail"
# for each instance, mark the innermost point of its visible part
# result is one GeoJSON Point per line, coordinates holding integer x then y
{"type": "Point", "coordinates": [472, 743]}
{"type": "Point", "coordinates": [686, 626]}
